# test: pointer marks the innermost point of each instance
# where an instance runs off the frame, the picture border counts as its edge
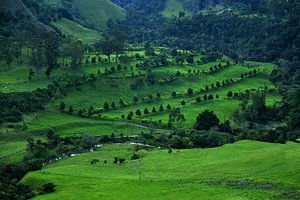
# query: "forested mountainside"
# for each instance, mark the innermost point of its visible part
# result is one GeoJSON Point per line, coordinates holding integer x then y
{"type": "Point", "coordinates": [17, 20]}
{"type": "Point", "coordinates": [252, 30]}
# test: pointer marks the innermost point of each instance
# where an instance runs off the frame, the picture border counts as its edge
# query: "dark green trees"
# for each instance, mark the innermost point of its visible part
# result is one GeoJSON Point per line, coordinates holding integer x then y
{"type": "Point", "coordinates": [206, 120]}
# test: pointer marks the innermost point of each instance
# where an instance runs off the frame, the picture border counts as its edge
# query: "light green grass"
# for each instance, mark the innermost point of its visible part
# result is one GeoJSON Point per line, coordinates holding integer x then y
{"type": "Point", "coordinates": [66, 125]}
{"type": "Point", "coordinates": [98, 12]}
{"type": "Point", "coordinates": [68, 27]}
{"type": "Point", "coordinates": [259, 171]}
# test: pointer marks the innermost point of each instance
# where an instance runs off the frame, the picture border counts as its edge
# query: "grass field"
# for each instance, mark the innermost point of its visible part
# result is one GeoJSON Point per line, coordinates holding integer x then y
{"type": "Point", "coordinates": [98, 12]}
{"type": "Point", "coordinates": [68, 27]}
{"type": "Point", "coordinates": [66, 125]}
{"type": "Point", "coordinates": [241, 171]}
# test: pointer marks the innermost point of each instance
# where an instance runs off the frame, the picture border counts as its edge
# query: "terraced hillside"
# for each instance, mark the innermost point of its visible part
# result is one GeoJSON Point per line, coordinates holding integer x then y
{"type": "Point", "coordinates": [245, 170]}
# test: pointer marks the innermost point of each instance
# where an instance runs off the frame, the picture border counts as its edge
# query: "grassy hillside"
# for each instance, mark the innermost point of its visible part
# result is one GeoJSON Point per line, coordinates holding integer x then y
{"type": "Point", "coordinates": [173, 8]}
{"type": "Point", "coordinates": [98, 12]}
{"type": "Point", "coordinates": [245, 170]}
{"type": "Point", "coordinates": [68, 27]}
{"type": "Point", "coordinates": [66, 125]}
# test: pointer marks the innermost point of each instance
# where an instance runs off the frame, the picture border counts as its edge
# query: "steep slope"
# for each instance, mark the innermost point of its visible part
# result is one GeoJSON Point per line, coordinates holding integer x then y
{"type": "Point", "coordinates": [98, 12]}
{"type": "Point", "coordinates": [17, 19]}
{"type": "Point", "coordinates": [74, 29]}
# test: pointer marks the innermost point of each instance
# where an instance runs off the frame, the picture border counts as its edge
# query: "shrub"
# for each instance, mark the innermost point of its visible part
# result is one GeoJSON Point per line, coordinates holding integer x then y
{"type": "Point", "coordinates": [161, 108]}
{"type": "Point", "coordinates": [62, 106]}
{"type": "Point", "coordinates": [230, 94]}
{"type": "Point", "coordinates": [190, 91]}
{"type": "Point", "coordinates": [138, 112]}
{"type": "Point", "coordinates": [174, 94]}
{"type": "Point", "coordinates": [146, 111]}
{"type": "Point", "coordinates": [47, 188]}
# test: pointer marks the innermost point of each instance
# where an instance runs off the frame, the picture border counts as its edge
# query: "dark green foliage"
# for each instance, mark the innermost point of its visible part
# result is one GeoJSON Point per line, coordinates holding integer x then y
{"type": "Point", "coordinates": [174, 94]}
{"type": "Point", "coordinates": [146, 111]}
{"type": "Point", "coordinates": [13, 105]}
{"type": "Point", "coordinates": [190, 92]}
{"type": "Point", "coordinates": [62, 106]}
{"type": "Point", "coordinates": [206, 120]}
{"type": "Point", "coordinates": [129, 116]}
{"type": "Point", "coordinates": [169, 107]}
{"type": "Point", "coordinates": [183, 102]}
{"type": "Point", "coordinates": [105, 106]}
{"type": "Point", "coordinates": [161, 108]}
{"type": "Point", "coordinates": [154, 110]}
{"type": "Point", "coordinates": [138, 112]}
{"type": "Point", "coordinates": [230, 94]}
{"type": "Point", "coordinates": [135, 99]}
{"type": "Point", "coordinates": [47, 188]}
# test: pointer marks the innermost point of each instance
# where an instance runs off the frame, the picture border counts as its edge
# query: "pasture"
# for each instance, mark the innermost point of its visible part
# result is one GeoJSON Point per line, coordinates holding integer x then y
{"type": "Point", "coordinates": [244, 170]}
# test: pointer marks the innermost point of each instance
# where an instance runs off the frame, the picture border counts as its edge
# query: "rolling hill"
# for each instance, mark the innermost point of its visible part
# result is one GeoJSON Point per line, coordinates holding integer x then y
{"type": "Point", "coordinates": [98, 12]}
{"type": "Point", "coordinates": [241, 171]}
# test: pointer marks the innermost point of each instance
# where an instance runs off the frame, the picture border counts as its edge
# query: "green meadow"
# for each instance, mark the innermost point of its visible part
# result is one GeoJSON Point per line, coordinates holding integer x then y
{"type": "Point", "coordinates": [68, 27]}
{"type": "Point", "coordinates": [244, 170]}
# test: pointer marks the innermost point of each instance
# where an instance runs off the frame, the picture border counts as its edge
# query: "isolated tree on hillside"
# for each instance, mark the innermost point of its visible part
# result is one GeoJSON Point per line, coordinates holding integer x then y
{"type": "Point", "coordinates": [129, 116]}
{"type": "Point", "coordinates": [190, 59]}
{"type": "Point", "coordinates": [113, 105]}
{"type": "Point", "coordinates": [206, 120]}
{"type": "Point", "coordinates": [146, 111]}
{"type": "Point", "coordinates": [62, 106]}
{"type": "Point", "coordinates": [161, 108]}
{"type": "Point", "coordinates": [135, 99]}
{"type": "Point", "coordinates": [183, 102]}
{"type": "Point", "coordinates": [230, 94]}
{"type": "Point", "coordinates": [174, 94]}
{"type": "Point", "coordinates": [106, 106]}
{"type": "Point", "coordinates": [30, 74]}
{"type": "Point", "coordinates": [70, 110]}
{"type": "Point", "coordinates": [169, 107]}
{"type": "Point", "coordinates": [76, 51]}
{"type": "Point", "coordinates": [113, 39]}
{"type": "Point", "coordinates": [158, 95]}
{"type": "Point", "coordinates": [121, 103]}
{"type": "Point", "coordinates": [154, 110]}
{"type": "Point", "coordinates": [174, 53]}
{"type": "Point", "coordinates": [176, 118]}
{"type": "Point", "coordinates": [138, 112]}
{"type": "Point", "coordinates": [190, 92]}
